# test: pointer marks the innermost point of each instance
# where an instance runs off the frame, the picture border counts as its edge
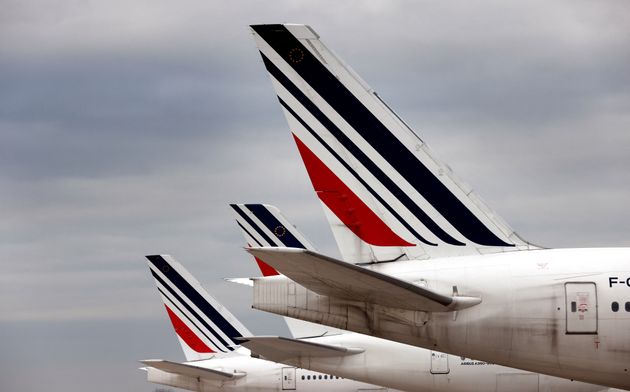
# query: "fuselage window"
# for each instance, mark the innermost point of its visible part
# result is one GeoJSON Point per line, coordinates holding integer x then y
{"type": "Point", "coordinates": [615, 306]}
{"type": "Point", "coordinates": [303, 377]}
{"type": "Point", "coordinates": [308, 377]}
{"type": "Point", "coordinates": [627, 306]}
{"type": "Point", "coordinates": [320, 376]}
{"type": "Point", "coordinates": [325, 376]}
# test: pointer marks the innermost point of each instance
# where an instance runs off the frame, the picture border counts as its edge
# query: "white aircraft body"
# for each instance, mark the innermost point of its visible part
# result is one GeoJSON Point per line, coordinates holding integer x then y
{"type": "Point", "coordinates": [208, 334]}
{"type": "Point", "coordinates": [437, 268]}
{"type": "Point", "coordinates": [374, 360]}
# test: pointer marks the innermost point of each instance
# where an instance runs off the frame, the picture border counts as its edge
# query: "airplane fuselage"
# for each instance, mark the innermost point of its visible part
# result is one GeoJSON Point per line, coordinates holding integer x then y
{"type": "Point", "coordinates": [410, 368]}
{"type": "Point", "coordinates": [261, 376]}
{"type": "Point", "coordinates": [558, 312]}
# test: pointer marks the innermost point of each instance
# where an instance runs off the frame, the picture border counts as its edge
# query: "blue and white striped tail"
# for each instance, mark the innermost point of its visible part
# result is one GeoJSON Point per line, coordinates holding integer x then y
{"type": "Point", "coordinates": [264, 225]}
{"type": "Point", "coordinates": [385, 195]}
{"type": "Point", "coordinates": [204, 327]}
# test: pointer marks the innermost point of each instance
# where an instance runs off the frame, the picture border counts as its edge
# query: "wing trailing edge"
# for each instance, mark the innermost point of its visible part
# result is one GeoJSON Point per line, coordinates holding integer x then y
{"type": "Point", "coordinates": [335, 278]}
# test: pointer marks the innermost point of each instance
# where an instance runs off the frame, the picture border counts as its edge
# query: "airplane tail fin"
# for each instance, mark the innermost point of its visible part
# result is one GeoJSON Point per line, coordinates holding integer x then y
{"type": "Point", "coordinates": [203, 326]}
{"type": "Point", "coordinates": [385, 195]}
{"type": "Point", "coordinates": [264, 225]}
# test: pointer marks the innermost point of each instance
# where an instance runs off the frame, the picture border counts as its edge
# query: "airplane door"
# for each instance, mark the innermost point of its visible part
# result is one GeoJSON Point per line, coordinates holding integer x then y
{"type": "Point", "coordinates": [581, 307]}
{"type": "Point", "coordinates": [439, 363]}
{"type": "Point", "coordinates": [288, 378]}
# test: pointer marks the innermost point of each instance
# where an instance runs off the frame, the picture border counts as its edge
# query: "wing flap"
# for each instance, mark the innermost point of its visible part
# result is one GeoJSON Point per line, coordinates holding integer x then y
{"type": "Point", "coordinates": [331, 277]}
{"type": "Point", "coordinates": [192, 370]}
{"type": "Point", "coordinates": [278, 349]}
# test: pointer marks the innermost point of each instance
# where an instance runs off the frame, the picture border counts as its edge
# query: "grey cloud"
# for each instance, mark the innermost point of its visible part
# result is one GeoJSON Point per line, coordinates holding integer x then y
{"type": "Point", "coordinates": [91, 112]}
{"type": "Point", "coordinates": [126, 128]}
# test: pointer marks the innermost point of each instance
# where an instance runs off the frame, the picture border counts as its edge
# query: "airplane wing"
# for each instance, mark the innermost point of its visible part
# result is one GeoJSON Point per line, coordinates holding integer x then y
{"type": "Point", "coordinates": [278, 349]}
{"type": "Point", "coordinates": [335, 278]}
{"type": "Point", "coordinates": [191, 370]}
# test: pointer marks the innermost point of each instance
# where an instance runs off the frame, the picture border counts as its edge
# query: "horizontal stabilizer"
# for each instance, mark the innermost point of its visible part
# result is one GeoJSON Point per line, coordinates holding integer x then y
{"type": "Point", "coordinates": [191, 370]}
{"type": "Point", "coordinates": [278, 349]}
{"type": "Point", "coordinates": [335, 278]}
{"type": "Point", "coordinates": [243, 281]}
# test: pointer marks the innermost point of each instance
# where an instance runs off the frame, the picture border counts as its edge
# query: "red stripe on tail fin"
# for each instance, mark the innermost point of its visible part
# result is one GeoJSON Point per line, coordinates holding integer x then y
{"type": "Point", "coordinates": [345, 204]}
{"type": "Point", "coordinates": [188, 336]}
{"type": "Point", "coordinates": [265, 268]}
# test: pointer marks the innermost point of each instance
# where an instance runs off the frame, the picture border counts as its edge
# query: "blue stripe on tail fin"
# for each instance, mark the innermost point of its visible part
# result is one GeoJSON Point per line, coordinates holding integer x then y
{"type": "Point", "coordinates": [205, 328]}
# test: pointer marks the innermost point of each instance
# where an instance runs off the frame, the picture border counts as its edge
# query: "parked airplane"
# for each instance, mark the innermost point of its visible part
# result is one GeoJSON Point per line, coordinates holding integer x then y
{"type": "Point", "coordinates": [208, 334]}
{"type": "Point", "coordinates": [379, 361]}
{"type": "Point", "coordinates": [463, 281]}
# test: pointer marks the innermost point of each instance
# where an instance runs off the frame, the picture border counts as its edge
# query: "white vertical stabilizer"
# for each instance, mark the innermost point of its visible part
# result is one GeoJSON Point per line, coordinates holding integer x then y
{"type": "Point", "coordinates": [385, 195]}
{"type": "Point", "coordinates": [264, 225]}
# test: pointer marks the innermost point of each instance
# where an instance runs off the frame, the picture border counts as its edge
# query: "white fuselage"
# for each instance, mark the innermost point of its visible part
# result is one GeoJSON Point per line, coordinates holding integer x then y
{"type": "Point", "coordinates": [410, 368]}
{"type": "Point", "coordinates": [395, 366]}
{"type": "Point", "coordinates": [260, 376]}
{"type": "Point", "coordinates": [546, 311]}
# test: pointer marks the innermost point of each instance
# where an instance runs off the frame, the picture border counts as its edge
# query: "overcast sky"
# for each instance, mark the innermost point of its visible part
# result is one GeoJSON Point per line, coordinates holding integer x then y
{"type": "Point", "coordinates": [127, 127]}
